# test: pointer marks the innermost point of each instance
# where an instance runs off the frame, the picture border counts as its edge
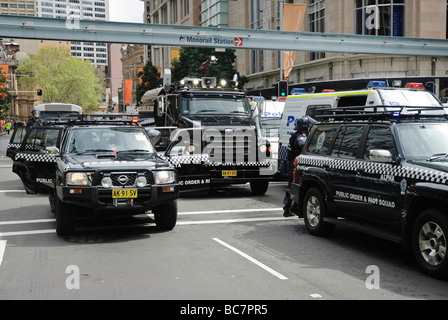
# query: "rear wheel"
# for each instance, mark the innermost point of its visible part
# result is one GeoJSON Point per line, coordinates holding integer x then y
{"type": "Point", "coordinates": [259, 187]}
{"type": "Point", "coordinates": [429, 242]}
{"type": "Point", "coordinates": [165, 216]}
{"type": "Point", "coordinates": [314, 210]}
{"type": "Point", "coordinates": [65, 217]}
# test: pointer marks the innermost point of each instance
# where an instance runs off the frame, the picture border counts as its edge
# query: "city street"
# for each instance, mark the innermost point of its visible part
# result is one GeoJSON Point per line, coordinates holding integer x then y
{"type": "Point", "coordinates": [227, 245]}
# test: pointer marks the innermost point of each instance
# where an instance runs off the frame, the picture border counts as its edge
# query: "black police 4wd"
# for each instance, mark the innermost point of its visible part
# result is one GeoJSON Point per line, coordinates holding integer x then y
{"type": "Point", "coordinates": [97, 168]}
{"type": "Point", "coordinates": [381, 172]}
{"type": "Point", "coordinates": [229, 148]}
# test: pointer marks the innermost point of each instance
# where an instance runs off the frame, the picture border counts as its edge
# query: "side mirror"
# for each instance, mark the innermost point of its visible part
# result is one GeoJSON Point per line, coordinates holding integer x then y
{"type": "Point", "coordinates": [380, 155]}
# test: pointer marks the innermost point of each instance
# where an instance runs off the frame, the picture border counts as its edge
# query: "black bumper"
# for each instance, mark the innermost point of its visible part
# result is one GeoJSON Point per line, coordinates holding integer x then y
{"type": "Point", "coordinates": [100, 199]}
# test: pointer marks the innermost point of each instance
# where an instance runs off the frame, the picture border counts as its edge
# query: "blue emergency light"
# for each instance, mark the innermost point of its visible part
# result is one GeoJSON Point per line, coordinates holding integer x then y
{"type": "Point", "coordinates": [377, 84]}
{"type": "Point", "coordinates": [298, 90]}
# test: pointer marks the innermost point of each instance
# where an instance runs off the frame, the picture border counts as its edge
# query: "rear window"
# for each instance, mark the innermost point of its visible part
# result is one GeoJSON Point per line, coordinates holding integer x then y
{"type": "Point", "coordinates": [321, 140]}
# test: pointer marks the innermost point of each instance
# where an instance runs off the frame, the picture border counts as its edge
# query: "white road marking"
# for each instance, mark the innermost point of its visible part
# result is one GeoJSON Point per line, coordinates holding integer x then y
{"type": "Point", "coordinates": [2, 250]}
{"type": "Point", "coordinates": [4, 191]}
{"type": "Point", "coordinates": [2, 223]}
{"type": "Point", "coordinates": [25, 233]}
{"type": "Point", "coordinates": [31, 232]}
{"type": "Point", "coordinates": [230, 211]}
{"type": "Point", "coordinates": [258, 263]}
{"type": "Point", "coordinates": [232, 220]}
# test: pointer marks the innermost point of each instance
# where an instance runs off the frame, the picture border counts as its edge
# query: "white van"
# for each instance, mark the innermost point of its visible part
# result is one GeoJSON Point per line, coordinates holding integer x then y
{"type": "Point", "coordinates": [377, 94]}
{"type": "Point", "coordinates": [269, 114]}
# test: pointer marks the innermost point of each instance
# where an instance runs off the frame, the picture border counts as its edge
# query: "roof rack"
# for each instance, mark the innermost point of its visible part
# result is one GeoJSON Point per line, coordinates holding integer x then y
{"type": "Point", "coordinates": [101, 118]}
{"type": "Point", "coordinates": [385, 113]}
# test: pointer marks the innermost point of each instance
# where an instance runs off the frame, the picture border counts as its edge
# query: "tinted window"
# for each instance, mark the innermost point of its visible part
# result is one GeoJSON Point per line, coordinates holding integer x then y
{"type": "Point", "coordinates": [347, 142]}
{"type": "Point", "coordinates": [19, 134]}
{"type": "Point", "coordinates": [311, 110]}
{"type": "Point", "coordinates": [351, 101]}
{"type": "Point", "coordinates": [110, 139]}
{"type": "Point", "coordinates": [321, 140]}
{"type": "Point", "coordinates": [39, 139]}
{"type": "Point", "coordinates": [379, 138]}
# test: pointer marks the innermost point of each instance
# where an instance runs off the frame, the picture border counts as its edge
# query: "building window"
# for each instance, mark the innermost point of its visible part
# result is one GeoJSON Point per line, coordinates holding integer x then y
{"type": "Point", "coordinates": [173, 11]}
{"type": "Point", "coordinates": [185, 8]}
{"type": "Point", "coordinates": [256, 22]}
{"type": "Point", "coordinates": [214, 13]}
{"type": "Point", "coordinates": [164, 12]}
{"type": "Point", "coordinates": [316, 23]}
{"type": "Point", "coordinates": [379, 17]}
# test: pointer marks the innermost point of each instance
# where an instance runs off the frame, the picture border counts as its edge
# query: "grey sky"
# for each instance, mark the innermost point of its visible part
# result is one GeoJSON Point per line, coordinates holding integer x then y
{"type": "Point", "coordinates": [126, 10]}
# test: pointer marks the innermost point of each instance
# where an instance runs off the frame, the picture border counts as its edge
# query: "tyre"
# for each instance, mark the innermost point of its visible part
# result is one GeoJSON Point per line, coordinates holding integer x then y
{"type": "Point", "coordinates": [259, 187]}
{"type": "Point", "coordinates": [65, 217]}
{"type": "Point", "coordinates": [429, 242]}
{"type": "Point", "coordinates": [314, 210]}
{"type": "Point", "coordinates": [165, 216]}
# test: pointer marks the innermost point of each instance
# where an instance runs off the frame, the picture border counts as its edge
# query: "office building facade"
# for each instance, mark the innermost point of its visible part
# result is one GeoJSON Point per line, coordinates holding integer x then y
{"type": "Point", "coordinates": [394, 18]}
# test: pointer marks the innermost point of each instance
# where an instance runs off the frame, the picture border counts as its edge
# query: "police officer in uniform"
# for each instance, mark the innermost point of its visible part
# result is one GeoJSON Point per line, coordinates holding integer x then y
{"type": "Point", "coordinates": [35, 120]}
{"type": "Point", "coordinates": [295, 146]}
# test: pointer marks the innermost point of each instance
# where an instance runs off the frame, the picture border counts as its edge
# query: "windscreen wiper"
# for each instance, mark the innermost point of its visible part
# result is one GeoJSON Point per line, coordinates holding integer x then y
{"type": "Point", "coordinates": [438, 156]}
{"type": "Point", "coordinates": [94, 150]}
{"type": "Point", "coordinates": [134, 151]}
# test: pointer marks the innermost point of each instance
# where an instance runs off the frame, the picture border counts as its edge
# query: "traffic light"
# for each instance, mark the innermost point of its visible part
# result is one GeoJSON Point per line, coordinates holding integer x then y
{"type": "Point", "coordinates": [282, 88]}
{"type": "Point", "coordinates": [39, 92]}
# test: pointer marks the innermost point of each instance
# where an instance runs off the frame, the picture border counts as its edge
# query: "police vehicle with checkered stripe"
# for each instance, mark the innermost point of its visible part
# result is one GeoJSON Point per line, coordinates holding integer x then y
{"type": "Point", "coordinates": [301, 103]}
{"type": "Point", "coordinates": [382, 171]}
{"type": "Point", "coordinates": [219, 141]}
{"type": "Point", "coordinates": [96, 166]}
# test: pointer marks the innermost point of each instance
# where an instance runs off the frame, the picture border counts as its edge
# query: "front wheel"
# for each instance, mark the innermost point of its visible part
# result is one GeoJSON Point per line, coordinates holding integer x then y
{"type": "Point", "coordinates": [259, 187]}
{"type": "Point", "coordinates": [165, 216]}
{"type": "Point", "coordinates": [65, 217]}
{"type": "Point", "coordinates": [314, 210]}
{"type": "Point", "coordinates": [429, 242]}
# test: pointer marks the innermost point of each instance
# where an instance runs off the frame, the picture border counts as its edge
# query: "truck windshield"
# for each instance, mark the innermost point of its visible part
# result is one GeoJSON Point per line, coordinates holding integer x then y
{"type": "Point", "coordinates": [423, 140]}
{"type": "Point", "coordinates": [200, 105]}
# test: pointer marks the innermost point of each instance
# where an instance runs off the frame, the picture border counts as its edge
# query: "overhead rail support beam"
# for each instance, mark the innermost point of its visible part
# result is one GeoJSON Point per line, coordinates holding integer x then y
{"type": "Point", "coordinates": [188, 36]}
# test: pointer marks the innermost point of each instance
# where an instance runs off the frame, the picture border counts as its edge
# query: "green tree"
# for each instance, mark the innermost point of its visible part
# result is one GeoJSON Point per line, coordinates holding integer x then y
{"type": "Point", "coordinates": [150, 80]}
{"type": "Point", "coordinates": [62, 78]}
{"type": "Point", "coordinates": [190, 60]}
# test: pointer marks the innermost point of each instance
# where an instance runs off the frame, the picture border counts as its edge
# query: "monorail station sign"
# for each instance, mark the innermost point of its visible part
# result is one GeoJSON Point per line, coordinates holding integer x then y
{"type": "Point", "coordinates": [212, 41]}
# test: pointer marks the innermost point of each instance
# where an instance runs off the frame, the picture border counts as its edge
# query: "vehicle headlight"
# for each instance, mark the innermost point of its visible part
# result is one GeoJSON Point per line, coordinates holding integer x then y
{"type": "Point", "coordinates": [77, 179]}
{"type": "Point", "coordinates": [106, 182]}
{"type": "Point", "coordinates": [141, 182]}
{"type": "Point", "coordinates": [163, 177]}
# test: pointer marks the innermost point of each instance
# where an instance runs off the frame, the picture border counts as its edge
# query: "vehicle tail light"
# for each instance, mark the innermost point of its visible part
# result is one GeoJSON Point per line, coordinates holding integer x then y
{"type": "Point", "coordinates": [294, 170]}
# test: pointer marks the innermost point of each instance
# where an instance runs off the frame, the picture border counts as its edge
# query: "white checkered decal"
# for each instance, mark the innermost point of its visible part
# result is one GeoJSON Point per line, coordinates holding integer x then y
{"type": "Point", "coordinates": [375, 168]}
